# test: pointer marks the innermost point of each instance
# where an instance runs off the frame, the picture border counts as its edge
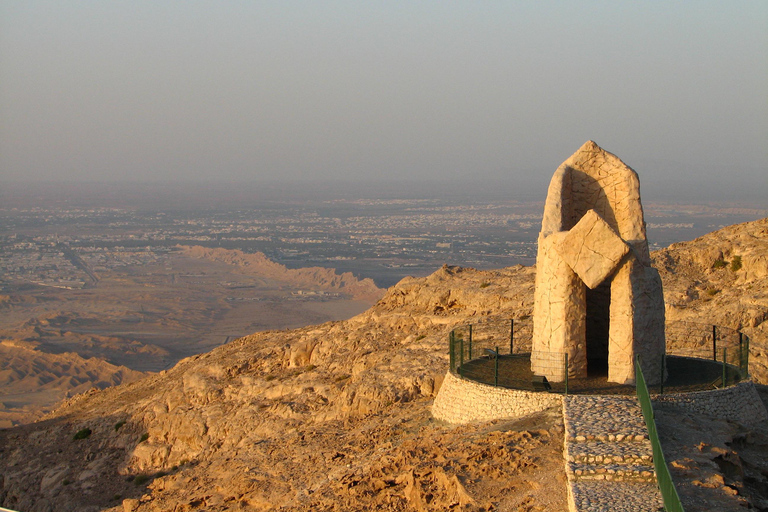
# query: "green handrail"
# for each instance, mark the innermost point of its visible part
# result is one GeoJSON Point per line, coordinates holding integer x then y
{"type": "Point", "coordinates": [663, 478]}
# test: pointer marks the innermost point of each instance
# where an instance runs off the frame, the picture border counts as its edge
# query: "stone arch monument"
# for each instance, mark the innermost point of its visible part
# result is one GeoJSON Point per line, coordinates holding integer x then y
{"type": "Point", "coordinates": [597, 297]}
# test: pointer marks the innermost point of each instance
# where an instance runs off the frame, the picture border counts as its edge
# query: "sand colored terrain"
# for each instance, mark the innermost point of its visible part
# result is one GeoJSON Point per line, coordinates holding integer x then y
{"type": "Point", "coordinates": [31, 381]}
{"type": "Point", "coordinates": [330, 417]}
{"type": "Point", "coordinates": [148, 317]}
{"type": "Point", "coordinates": [336, 416]}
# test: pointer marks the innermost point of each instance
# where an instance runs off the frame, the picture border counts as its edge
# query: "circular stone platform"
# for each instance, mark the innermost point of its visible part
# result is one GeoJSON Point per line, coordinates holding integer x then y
{"type": "Point", "coordinates": [461, 400]}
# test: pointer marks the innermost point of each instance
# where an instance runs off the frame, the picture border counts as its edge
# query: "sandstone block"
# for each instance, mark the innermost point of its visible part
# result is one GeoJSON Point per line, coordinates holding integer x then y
{"type": "Point", "coordinates": [592, 249]}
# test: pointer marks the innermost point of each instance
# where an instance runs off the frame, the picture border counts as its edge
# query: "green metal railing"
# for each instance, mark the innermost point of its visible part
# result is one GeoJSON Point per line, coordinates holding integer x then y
{"type": "Point", "coordinates": [663, 477]}
{"type": "Point", "coordinates": [699, 357]}
{"type": "Point", "coordinates": [497, 352]}
{"type": "Point", "coordinates": [706, 341]}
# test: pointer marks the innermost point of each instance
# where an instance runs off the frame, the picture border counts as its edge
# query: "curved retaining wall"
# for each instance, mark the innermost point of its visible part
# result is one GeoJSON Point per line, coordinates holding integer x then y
{"type": "Point", "coordinates": [739, 403]}
{"type": "Point", "coordinates": [464, 401]}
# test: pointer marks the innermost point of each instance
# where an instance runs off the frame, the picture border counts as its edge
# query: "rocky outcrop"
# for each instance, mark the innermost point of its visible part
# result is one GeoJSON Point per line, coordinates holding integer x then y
{"type": "Point", "coordinates": [722, 279]}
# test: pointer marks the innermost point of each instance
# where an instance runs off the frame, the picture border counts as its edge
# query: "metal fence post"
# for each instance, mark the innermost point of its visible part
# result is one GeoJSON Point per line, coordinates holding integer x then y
{"type": "Point", "coordinates": [714, 342]}
{"type": "Point", "coordinates": [741, 354]}
{"type": "Point", "coordinates": [461, 356]}
{"type": "Point", "coordinates": [746, 357]}
{"type": "Point", "coordinates": [661, 380]}
{"type": "Point", "coordinates": [511, 336]}
{"type": "Point", "coordinates": [451, 354]}
{"type": "Point", "coordinates": [566, 374]}
{"type": "Point", "coordinates": [725, 382]}
{"type": "Point", "coordinates": [496, 368]}
{"type": "Point", "coordinates": [470, 343]}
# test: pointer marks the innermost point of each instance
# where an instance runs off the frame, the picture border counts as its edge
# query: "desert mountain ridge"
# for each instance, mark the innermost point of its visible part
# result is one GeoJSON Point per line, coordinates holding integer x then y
{"type": "Point", "coordinates": [258, 263]}
{"type": "Point", "coordinates": [336, 416]}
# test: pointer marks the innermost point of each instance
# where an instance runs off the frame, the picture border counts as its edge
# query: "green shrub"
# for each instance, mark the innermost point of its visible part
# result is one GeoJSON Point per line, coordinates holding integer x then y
{"type": "Point", "coordinates": [719, 263]}
{"type": "Point", "coordinates": [66, 482]}
{"type": "Point", "coordinates": [712, 291]}
{"type": "Point", "coordinates": [485, 284]}
{"type": "Point", "coordinates": [144, 437]}
{"type": "Point", "coordinates": [140, 479]}
{"type": "Point", "coordinates": [119, 424]}
{"type": "Point", "coordinates": [82, 434]}
{"type": "Point", "coordinates": [342, 377]}
{"type": "Point", "coordinates": [421, 337]}
{"type": "Point", "coordinates": [736, 263]}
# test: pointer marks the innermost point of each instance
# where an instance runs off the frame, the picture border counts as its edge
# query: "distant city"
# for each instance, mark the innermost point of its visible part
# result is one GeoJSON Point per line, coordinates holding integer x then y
{"type": "Point", "coordinates": [384, 239]}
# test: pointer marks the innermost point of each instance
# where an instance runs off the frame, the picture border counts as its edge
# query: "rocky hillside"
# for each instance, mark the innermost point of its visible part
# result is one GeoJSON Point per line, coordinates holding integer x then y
{"type": "Point", "coordinates": [722, 278]}
{"type": "Point", "coordinates": [331, 417]}
{"type": "Point", "coordinates": [336, 416]}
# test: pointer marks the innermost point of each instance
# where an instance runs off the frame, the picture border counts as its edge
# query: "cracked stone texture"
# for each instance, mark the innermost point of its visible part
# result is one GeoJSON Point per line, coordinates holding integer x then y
{"type": "Point", "coordinates": [593, 203]}
{"type": "Point", "coordinates": [592, 249]}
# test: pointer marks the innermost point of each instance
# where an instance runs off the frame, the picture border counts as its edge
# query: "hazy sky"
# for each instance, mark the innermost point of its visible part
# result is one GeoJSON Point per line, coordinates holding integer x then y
{"type": "Point", "coordinates": [244, 91]}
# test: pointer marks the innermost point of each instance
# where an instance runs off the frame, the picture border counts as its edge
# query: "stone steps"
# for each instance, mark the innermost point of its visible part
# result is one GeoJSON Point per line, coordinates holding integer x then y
{"type": "Point", "coordinates": [596, 452]}
{"type": "Point", "coordinates": [609, 460]}
{"type": "Point", "coordinates": [612, 472]}
{"type": "Point", "coordinates": [596, 496]}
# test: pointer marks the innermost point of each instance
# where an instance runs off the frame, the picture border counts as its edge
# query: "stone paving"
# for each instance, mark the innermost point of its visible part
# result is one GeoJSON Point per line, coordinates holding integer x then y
{"type": "Point", "coordinates": [609, 461]}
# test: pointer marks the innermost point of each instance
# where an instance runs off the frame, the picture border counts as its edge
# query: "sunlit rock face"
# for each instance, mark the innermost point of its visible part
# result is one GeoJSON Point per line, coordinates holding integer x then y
{"type": "Point", "coordinates": [597, 297]}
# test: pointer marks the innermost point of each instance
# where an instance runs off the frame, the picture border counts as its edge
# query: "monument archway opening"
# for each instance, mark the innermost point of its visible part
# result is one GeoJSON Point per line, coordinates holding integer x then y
{"type": "Point", "coordinates": [598, 326]}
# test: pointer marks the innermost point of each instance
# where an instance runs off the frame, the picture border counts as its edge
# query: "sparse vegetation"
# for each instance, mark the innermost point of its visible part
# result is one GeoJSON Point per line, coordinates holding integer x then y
{"type": "Point", "coordinates": [485, 284]}
{"type": "Point", "coordinates": [292, 373]}
{"type": "Point", "coordinates": [270, 377]}
{"type": "Point", "coordinates": [711, 292]}
{"type": "Point", "coordinates": [82, 434]}
{"type": "Point", "coordinates": [144, 437]}
{"type": "Point", "coordinates": [117, 497]}
{"type": "Point", "coordinates": [421, 337]}
{"type": "Point", "coordinates": [310, 367]}
{"type": "Point", "coordinates": [140, 479]}
{"type": "Point", "coordinates": [341, 377]}
{"type": "Point", "coordinates": [719, 263]}
{"type": "Point", "coordinates": [736, 264]}
{"type": "Point", "coordinates": [65, 482]}
{"type": "Point", "coordinates": [119, 424]}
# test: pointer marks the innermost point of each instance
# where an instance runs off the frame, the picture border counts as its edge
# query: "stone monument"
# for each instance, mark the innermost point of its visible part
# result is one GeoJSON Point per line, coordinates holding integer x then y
{"type": "Point", "coordinates": [597, 298]}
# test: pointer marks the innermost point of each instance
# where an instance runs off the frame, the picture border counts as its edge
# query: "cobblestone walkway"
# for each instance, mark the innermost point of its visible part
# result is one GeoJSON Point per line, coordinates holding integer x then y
{"type": "Point", "coordinates": [609, 462]}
